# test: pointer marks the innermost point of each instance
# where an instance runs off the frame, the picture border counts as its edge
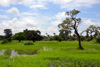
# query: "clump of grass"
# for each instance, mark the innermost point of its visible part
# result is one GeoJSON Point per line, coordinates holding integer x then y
{"type": "Point", "coordinates": [4, 41]}
{"type": "Point", "coordinates": [29, 43]}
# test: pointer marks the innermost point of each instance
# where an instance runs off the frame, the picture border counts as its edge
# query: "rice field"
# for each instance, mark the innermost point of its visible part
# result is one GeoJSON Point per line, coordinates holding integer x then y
{"type": "Point", "coordinates": [49, 54]}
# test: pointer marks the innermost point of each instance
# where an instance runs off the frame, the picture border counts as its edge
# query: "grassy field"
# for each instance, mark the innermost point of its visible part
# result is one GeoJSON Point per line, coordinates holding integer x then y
{"type": "Point", "coordinates": [51, 54]}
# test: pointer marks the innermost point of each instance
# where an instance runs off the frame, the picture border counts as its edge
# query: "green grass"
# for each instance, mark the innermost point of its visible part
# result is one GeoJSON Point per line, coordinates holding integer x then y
{"type": "Point", "coordinates": [59, 54]}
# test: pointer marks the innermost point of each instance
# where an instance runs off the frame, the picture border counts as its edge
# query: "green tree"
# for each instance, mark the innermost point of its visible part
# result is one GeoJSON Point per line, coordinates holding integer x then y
{"type": "Point", "coordinates": [87, 33]}
{"type": "Point", "coordinates": [72, 23]}
{"type": "Point", "coordinates": [19, 36]}
{"type": "Point", "coordinates": [34, 35]}
{"type": "Point", "coordinates": [8, 33]}
{"type": "Point", "coordinates": [65, 34]}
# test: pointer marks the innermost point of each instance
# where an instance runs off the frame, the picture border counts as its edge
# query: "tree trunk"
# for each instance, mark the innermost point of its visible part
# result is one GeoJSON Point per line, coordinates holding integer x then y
{"type": "Point", "coordinates": [19, 40]}
{"type": "Point", "coordinates": [79, 39]}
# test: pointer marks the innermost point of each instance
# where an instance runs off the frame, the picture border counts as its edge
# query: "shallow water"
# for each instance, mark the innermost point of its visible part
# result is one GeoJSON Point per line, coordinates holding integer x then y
{"type": "Point", "coordinates": [12, 53]}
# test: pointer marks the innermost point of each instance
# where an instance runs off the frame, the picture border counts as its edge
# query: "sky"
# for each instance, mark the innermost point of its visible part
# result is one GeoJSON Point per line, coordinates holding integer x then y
{"type": "Point", "coordinates": [45, 15]}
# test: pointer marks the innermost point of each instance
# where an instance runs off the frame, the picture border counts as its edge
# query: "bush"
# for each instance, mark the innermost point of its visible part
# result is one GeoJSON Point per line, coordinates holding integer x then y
{"type": "Point", "coordinates": [9, 39]}
{"type": "Point", "coordinates": [88, 39]}
{"type": "Point", "coordinates": [4, 41]}
{"type": "Point", "coordinates": [58, 38]}
{"type": "Point", "coordinates": [29, 43]}
{"type": "Point", "coordinates": [82, 38]}
{"type": "Point", "coordinates": [72, 38]}
{"type": "Point", "coordinates": [98, 39]}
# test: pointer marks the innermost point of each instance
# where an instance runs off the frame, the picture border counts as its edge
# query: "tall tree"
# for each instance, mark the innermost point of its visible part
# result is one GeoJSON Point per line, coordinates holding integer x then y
{"type": "Point", "coordinates": [73, 23]}
{"type": "Point", "coordinates": [8, 33]}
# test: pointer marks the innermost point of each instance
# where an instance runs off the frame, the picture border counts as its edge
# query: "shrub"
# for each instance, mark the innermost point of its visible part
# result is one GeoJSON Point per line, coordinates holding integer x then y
{"type": "Point", "coordinates": [88, 39]}
{"type": "Point", "coordinates": [29, 43]}
{"type": "Point", "coordinates": [82, 38]}
{"type": "Point", "coordinates": [58, 38]}
{"type": "Point", "coordinates": [9, 39]}
{"type": "Point", "coordinates": [72, 38]}
{"type": "Point", "coordinates": [98, 39]}
{"type": "Point", "coordinates": [4, 41]}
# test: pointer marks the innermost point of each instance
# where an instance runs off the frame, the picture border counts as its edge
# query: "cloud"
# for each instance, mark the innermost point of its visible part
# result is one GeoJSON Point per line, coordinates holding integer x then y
{"type": "Point", "coordinates": [13, 10]}
{"type": "Point", "coordinates": [38, 6]}
{"type": "Point", "coordinates": [18, 25]}
{"type": "Point", "coordinates": [4, 16]}
{"type": "Point", "coordinates": [70, 4]}
{"type": "Point", "coordinates": [55, 23]}
{"type": "Point", "coordinates": [4, 3]}
{"type": "Point", "coordinates": [28, 13]}
{"type": "Point", "coordinates": [52, 30]}
{"type": "Point", "coordinates": [59, 18]}
{"type": "Point", "coordinates": [88, 22]}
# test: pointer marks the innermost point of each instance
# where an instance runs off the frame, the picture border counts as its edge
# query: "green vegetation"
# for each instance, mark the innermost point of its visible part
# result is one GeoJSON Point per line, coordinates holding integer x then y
{"type": "Point", "coordinates": [4, 41]}
{"type": "Point", "coordinates": [36, 50]}
{"type": "Point", "coordinates": [29, 43]}
{"type": "Point", "coordinates": [98, 39]}
{"type": "Point", "coordinates": [51, 53]}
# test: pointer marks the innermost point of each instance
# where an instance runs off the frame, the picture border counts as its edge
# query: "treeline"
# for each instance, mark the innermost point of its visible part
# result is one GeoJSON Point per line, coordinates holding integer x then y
{"type": "Point", "coordinates": [25, 35]}
{"type": "Point", "coordinates": [92, 32]}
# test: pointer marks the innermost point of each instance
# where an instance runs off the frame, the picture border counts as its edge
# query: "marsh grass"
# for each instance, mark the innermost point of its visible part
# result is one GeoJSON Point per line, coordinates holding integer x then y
{"type": "Point", "coordinates": [63, 54]}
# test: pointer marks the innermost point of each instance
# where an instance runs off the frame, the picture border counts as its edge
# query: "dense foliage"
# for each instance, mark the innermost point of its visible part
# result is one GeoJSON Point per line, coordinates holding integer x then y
{"type": "Point", "coordinates": [29, 43]}
{"type": "Point", "coordinates": [19, 36]}
{"type": "Point", "coordinates": [8, 33]}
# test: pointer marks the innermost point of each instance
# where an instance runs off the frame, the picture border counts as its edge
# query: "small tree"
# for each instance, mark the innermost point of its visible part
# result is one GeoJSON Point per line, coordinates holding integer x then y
{"type": "Point", "coordinates": [72, 23]}
{"type": "Point", "coordinates": [19, 36]}
{"type": "Point", "coordinates": [8, 33]}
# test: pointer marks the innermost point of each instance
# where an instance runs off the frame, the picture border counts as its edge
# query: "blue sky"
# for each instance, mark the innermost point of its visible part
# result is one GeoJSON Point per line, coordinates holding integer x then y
{"type": "Point", "coordinates": [45, 15]}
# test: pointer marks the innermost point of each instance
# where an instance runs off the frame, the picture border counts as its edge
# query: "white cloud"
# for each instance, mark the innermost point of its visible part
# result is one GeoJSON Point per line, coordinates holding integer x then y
{"type": "Point", "coordinates": [70, 4]}
{"type": "Point", "coordinates": [59, 18]}
{"type": "Point", "coordinates": [4, 2]}
{"type": "Point", "coordinates": [52, 30]}
{"type": "Point", "coordinates": [13, 10]}
{"type": "Point", "coordinates": [55, 23]}
{"type": "Point", "coordinates": [38, 6]}
{"type": "Point", "coordinates": [18, 25]}
{"type": "Point", "coordinates": [4, 16]}
{"type": "Point", "coordinates": [28, 13]}
{"type": "Point", "coordinates": [88, 22]}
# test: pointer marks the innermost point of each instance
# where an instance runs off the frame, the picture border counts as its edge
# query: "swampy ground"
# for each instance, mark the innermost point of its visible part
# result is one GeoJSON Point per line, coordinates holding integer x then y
{"type": "Point", "coordinates": [50, 54]}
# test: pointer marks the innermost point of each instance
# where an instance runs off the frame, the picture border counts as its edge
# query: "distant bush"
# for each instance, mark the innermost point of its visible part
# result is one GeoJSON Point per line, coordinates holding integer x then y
{"type": "Point", "coordinates": [88, 39]}
{"type": "Point", "coordinates": [29, 43]}
{"type": "Point", "coordinates": [58, 38]}
{"type": "Point", "coordinates": [4, 41]}
{"type": "Point", "coordinates": [82, 38]}
{"type": "Point", "coordinates": [9, 39]}
{"type": "Point", "coordinates": [72, 38]}
{"type": "Point", "coordinates": [98, 39]}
